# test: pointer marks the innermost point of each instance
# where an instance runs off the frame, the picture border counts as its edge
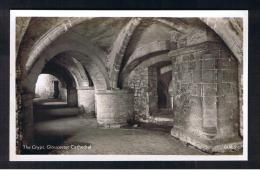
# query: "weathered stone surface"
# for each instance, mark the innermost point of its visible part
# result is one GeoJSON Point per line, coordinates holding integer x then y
{"type": "Point", "coordinates": [86, 100]}
{"type": "Point", "coordinates": [138, 82]}
{"type": "Point", "coordinates": [144, 83]}
{"type": "Point", "coordinates": [206, 104]}
{"type": "Point", "coordinates": [45, 87]}
{"type": "Point", "coordinates": [114, 108]}
{"type": "Point", "coordinates": [27, 114]}
{"type": "Point", "coordinates": [72, 97]}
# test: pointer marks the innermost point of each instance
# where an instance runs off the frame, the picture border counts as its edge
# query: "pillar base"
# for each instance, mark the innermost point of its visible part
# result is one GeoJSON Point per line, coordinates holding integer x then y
{"type": "Point", "coordinates": [27, 122]}
{"type": "Point", "coordinates": [208, 145]}
{"type": "Point", "coordinates": [108, 125]}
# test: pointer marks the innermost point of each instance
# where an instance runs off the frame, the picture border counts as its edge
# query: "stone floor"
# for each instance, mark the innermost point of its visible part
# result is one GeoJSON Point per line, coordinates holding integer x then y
{"type": "Point", "coordinates": [75, 130]}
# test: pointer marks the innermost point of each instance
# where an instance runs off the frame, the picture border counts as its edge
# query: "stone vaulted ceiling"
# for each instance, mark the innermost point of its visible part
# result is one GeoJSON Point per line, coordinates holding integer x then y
{"type": "Point", "coordinates": [103, 31]}
{"type": "Point", "coordinates": [120, 42]}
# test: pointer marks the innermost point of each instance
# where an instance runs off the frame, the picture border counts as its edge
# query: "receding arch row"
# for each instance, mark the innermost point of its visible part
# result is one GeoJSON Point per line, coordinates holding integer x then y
{"type": "Point", "coordinates": [74, 67]}
{"type": "Point", "coordinates": [70, 47]}
{"type": "Point", "coordinates": [61, 28]}
{"type": "Point", "coordinates": [46, 39]}
{"type": "Point", "coordinates": [68, 82]}
{"type": "Point", "coordinates": [67, 79]}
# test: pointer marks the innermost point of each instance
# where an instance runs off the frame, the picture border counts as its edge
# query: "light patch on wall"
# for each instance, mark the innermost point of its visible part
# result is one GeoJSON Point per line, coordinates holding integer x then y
{"type": "Point", "coordinates": [45, 87]}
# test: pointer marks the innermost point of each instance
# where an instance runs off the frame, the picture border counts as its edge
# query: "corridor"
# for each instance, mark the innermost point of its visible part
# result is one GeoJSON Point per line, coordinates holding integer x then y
{"type": "Point", "coordinates": [65, 127]}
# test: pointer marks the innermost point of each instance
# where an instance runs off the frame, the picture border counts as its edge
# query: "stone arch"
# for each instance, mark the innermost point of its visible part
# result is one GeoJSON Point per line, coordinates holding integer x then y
{"type": "Point", "coordinates": [62, 74]}
{"type": "Point", "coordinates": [71, 81]}
{"type": "Point", "coordinates": [223, 31]}
{"type": "Point", "coordinates": [82, 52]}
{"type": "Point", "coordinates": [230, 31]}
{"type": "Point", "coordinates": [119, 48]}
{"type": "Point", "coordinates": [146, 63]}
{"type": "Point", "coordinates": [235, 43]}
{"type": "Point", "coordinates": [62, 86]}
{"type": "Point", "coordinates": [42, 42]}
{"type": "Point", "coordinates": [74, 67]}
{"type": "Point", "coordinates": [99, 77]}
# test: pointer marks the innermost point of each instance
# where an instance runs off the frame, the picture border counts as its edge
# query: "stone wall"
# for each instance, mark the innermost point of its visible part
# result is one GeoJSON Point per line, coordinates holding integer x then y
{"type": "Point", "coordinates": [152, 89]}
{"type": "Point", "coordinates": [138, 82]}
{"type": "Point", "coordinates": [143, 82]}
{"type": "Point", "coordinates": [164, 98]}
{"type": "Point", "coordinates": [45, 89]}
{"type": "Point", "coordinates": [205, 95]}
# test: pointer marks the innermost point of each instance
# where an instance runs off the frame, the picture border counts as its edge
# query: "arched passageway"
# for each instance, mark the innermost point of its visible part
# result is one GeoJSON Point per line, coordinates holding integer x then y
{"type": "Point", "coordinates": [49, 87]}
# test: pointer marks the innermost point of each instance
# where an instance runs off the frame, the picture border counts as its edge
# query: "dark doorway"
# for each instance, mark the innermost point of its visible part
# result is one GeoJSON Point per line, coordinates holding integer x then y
{"type": "Point", "coordinates": [56, 90]}
{"type": "Point", "coordinates": [162, 98]}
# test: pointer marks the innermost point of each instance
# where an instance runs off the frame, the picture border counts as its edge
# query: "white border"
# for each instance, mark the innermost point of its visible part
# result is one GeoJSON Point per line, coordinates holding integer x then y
{"type": "Point", "coordinates": [126, 13]}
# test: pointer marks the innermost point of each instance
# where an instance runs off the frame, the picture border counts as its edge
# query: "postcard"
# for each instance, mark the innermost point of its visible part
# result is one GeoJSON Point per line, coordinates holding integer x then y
{"type": "Point", "coordinates": [128, 85]}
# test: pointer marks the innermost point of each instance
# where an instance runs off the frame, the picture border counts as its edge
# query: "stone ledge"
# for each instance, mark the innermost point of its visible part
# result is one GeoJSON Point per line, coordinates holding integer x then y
{"type": "Point", "coordinates": [157, 120]}
{"type": "Point", "coordinates": [204, 46]}
{"type": "Point", "coordinates": [109, 92]}
{"type": "Point", "coordinates": [111, 125]}
{"type": "Point", "coordinates": [231, 145]}
{"type": "Point", "coordinates": [85, 88]}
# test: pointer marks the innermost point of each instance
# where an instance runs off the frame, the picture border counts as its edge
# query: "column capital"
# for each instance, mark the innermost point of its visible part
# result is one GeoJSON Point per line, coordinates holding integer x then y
{"type": "Point", "coordinates": [115, 91]}
{"type": "Point", "coordinates": [85, 88]}
{"type": "Point", "coordinates": [205, 46]}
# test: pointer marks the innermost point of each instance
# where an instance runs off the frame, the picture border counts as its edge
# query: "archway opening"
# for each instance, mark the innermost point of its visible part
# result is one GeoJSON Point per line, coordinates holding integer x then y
{"type": "Point", "coordinates": [163, 86]}
{"type": "Point", "coordinates": [159, 78]}
{"type": "Point", "coordinates": [50, 87]}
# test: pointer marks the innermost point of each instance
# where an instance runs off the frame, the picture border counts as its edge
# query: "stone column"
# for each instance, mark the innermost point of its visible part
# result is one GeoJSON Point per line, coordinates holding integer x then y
{"type": "Point", "coordinates": [152, 94]}
{"type": "Point", "coordinates": [27, 115]}
{"type": "Point", "coordinates": [206, 97]}
{"type": "Point", "coordinates": [240, 85]}
{"type": "Point", "coordinates": [114, 107]}
{"type": "Point", "coordinates": [86, 100]}
{"type": "Point", "coordinates": [172, 100]}
{"type": "Point", "coordinates": [72, 97]}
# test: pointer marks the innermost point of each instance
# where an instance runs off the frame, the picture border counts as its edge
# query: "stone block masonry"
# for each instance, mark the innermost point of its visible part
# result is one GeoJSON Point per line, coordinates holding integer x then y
{"type": "Point", "coordinates": [152, 89]}
{"type": "Point", "coordinates": [143, 82]}
{"type": "Point", "coordinates": [205, 90]}
{"type": "Point", "coordinates": [138, 83]}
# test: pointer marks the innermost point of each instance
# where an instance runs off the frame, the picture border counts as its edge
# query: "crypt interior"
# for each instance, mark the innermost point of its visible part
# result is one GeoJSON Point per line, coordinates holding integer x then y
{"type": "Point", "coordinates": [163, 86]}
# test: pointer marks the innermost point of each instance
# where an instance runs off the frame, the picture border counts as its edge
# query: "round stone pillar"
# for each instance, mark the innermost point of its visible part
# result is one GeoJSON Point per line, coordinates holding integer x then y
{"type": "Point", "coordinates": [114, 107]}
{"type": "Point", "coordinates": [86, 100]}
{"type": "Point", "coordinates": [27, 115]}
{"type": "Point", "coordinates": [72, 97]}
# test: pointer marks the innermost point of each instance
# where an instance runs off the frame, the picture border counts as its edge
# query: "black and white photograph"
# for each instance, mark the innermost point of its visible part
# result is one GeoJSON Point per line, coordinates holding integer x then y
{"type": "Point", "coordinates": [128, 85]}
